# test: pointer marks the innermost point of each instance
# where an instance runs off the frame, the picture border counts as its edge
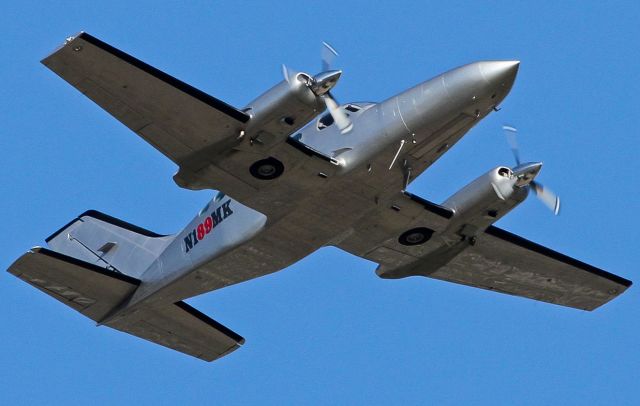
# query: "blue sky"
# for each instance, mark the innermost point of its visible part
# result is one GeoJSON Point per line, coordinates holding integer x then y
{"type": "Point", "coordinates": [327, 330]}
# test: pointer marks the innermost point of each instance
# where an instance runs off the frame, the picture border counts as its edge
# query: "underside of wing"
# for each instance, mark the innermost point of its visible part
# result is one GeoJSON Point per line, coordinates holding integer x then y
{"type": "Point", "coordinates": [176, 118]}
{"type": "Point", "coordinates": [503, 262]}
{"type": "Point", "coordinates": [412, 238]}
{"type": "Point", "coordinates": [375, 236]}
{"type": "Point", "coordinates": [200, 133]}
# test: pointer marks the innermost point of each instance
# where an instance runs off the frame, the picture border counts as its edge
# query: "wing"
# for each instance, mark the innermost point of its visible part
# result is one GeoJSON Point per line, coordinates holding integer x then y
{"type": "Point", "coordinates": [176, 118]}
{"type": "Point", "coordinates": [195, 130]}
{"type": "Point", "coordinates": [498, 260]}
{"type": "Point", "coordinates": [504, 262]}
{"type": "Point", "coordinates": [95, 291]}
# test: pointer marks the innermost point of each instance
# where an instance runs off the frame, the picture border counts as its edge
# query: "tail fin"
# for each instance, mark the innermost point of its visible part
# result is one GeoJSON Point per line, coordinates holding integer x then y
{"type": "Point", "coordinates": [110, 243]}
{"type": "Point", "coordinates": [95, 291]}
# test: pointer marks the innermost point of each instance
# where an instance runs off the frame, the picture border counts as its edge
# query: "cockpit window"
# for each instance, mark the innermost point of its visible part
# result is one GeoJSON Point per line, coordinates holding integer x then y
{"type": "Point", "coordinates": [352, 108]}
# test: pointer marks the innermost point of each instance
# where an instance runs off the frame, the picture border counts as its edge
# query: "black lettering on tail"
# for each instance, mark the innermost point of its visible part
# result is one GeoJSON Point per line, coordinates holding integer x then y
{"type": "Point", "coordinates": [188, 242]}
{"type": "Point", "coordinates": [226, 209]}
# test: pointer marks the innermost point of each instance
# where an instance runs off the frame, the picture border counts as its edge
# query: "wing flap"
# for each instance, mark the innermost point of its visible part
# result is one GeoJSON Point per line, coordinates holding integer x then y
{"type": "Point", "coordinates": [171, 115]}
{"type": "Point", "coordinates": [375, 236]}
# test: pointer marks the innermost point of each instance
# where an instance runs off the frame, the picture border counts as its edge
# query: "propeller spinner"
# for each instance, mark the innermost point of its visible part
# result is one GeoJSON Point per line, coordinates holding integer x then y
{"type": "Point", "coordinates": [525, 173]}
{"type": "Point", "coordinates": [321, 85]}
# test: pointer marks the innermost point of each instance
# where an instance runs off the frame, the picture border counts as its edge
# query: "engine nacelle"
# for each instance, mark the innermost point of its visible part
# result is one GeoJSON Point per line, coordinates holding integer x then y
{"type": "Point", "coordinates": [484, 201]}
{"type": "Point", "coordinates": [282, 110]}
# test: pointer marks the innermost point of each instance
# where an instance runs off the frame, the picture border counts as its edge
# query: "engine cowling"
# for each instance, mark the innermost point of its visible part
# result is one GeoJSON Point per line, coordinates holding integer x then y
{"type": "Point", "coordinates": [485, 200]}
{"type": "Point", "coordinates": [282, 110]}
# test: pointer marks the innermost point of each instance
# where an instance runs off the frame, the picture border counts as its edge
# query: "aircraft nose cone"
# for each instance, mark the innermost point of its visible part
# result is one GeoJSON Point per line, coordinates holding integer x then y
{"type": "Point", "coordinates": [500, 72]}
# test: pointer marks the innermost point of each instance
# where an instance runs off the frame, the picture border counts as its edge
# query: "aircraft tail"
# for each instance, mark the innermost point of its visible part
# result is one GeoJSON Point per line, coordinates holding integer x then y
{"type": "Point", "coordinates": [95, 268]}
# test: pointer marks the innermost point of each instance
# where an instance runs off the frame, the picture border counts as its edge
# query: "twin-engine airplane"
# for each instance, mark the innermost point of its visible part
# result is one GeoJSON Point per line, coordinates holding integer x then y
{"type": "Point", "coordinates": [293, 179]}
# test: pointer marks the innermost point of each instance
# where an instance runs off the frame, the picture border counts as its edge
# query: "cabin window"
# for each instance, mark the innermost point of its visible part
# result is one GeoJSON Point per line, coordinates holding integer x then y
{"type": "Point", "coordinates": [325, 121]}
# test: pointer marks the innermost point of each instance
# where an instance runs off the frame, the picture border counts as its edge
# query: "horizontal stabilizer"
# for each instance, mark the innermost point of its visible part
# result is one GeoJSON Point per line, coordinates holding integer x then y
{"type": "Point", "coordinates": [95, 292]}
{"type": "Point", "coordinates": [91, 290]}
{"type": "Point", "coordinates": [181, 328]}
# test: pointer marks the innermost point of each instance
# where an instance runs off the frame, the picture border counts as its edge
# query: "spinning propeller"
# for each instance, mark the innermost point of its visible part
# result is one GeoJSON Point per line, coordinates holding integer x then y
{"type": "Point", "coordinates": [527, 171]}
{"type": "Point", "coordinates": [321, 85]}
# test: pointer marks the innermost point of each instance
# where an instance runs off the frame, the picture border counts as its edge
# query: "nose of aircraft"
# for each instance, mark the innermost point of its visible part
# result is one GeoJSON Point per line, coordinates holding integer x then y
{"type": "Point", "coordinates": [485, 82]}
{"type": "Point", "coordinates": [500, 72]}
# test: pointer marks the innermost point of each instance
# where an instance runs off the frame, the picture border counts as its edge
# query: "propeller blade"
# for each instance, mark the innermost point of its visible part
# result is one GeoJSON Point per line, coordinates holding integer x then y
{"type": "Point", "coordinates": [323, 83]}
{"type": "Point", "coordinates": [339, 116]}
{"type": "Point", "coordinates": [328, 54]}
{"type": "Point", "coordinates": [511, 134]}
{"type": "Point", "coordinates": [285, 73]}
{"type": "Point", "coordinates": [550, 199]}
